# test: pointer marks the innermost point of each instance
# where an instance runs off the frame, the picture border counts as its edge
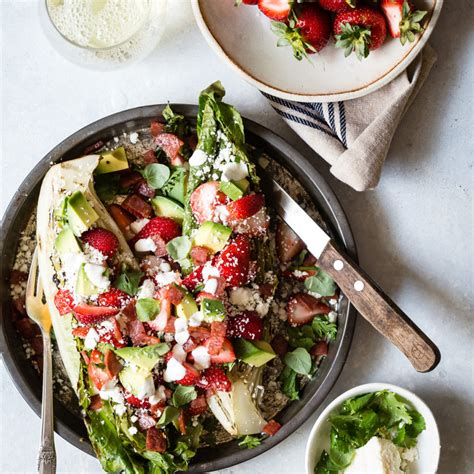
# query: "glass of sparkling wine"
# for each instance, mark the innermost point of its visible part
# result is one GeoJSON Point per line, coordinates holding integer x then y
{"type": "Point", "coordinates": [103, 34]}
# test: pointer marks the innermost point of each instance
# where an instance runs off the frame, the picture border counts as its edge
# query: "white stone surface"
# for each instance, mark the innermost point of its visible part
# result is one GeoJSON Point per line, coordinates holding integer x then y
{"type": "Point", "coordinates": [414, 232]}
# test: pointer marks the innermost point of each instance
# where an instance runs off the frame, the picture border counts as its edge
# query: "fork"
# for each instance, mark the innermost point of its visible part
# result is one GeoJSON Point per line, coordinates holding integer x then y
{"type": "Point", "coordinates": [38, 311]}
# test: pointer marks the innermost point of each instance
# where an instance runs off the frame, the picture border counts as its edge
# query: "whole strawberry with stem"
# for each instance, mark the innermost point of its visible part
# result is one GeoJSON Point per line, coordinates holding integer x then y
{"type": "Point", "coordinates": [360, 31]}
{"type": "Point", "coordinates": [337, 5]}
{"type": "Point", "coordinates": [307, 30]}
{"type": "Point", "coordinates": [403, 21]}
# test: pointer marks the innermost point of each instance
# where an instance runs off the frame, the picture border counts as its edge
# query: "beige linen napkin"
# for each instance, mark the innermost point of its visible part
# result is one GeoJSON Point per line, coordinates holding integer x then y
{"type": "Point", "coordinates": [354, 136]}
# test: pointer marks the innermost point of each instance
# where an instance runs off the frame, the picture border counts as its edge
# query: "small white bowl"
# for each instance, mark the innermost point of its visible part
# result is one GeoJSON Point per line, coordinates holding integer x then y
{"type": "Point", "coordinates": [428, 444]}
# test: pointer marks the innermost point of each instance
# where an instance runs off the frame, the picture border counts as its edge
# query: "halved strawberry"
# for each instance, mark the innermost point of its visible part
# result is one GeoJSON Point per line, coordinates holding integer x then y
{"type": "Point", "coordinates": [247, 325]}
{"type": "Point", "coordinates": [102, 240]}
{"type": "Point", "coordinates": [225, 355]}
{"type": "Point", "coordinates": [233, 262]}
{"type": "Point", "coordinates": [403, 21]}
{"type": "Point", "coordinates": [205, 199]}
{"type": "Point", "coordinates": [192, 375]}
{"type": "Point", "coordinates": [302, 308]}
{"type": "Point", "coordinates": [288, 244]}
{"type": "Point", "coordinates": [214, 378]}
{"type": "Point", "coordinates": [271, 428]}
{"type": "Point", "coordinates": [165, 227]}
{"type": "Point", "coordinates": [277, 10]}
{"type": "Point", "coordinates": [114, 298]}
{"type": "Point", "coordinates": [170, 144]}
{"type": "Point", "coordinates": [64, 302]}
{"type": "Point", "coordinates": [246, 206]}
{"type": "Point", "coordinates": [89, 314]}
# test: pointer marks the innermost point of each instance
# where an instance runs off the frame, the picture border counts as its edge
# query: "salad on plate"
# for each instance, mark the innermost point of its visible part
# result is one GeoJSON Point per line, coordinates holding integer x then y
{"type": "Point", "coordinates": [186, 314]}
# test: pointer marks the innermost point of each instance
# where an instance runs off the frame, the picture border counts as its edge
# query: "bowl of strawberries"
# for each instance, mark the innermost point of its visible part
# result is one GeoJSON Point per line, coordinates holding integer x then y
{"type": "Point", "coordinates": [320, 50]}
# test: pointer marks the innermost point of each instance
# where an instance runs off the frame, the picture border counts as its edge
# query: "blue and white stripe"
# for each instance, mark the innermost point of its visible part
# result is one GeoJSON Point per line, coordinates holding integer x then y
{"type": "Point", "coordinates": [326, 117]}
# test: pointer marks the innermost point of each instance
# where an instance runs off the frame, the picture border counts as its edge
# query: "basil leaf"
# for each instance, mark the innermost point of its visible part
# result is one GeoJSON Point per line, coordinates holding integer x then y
{"type": "Point", "coordinates": [169, 415]}
{"type": "Point", "coordinates": [156, 175]}
{"type": "Point", "coordinates": [288, 383]}
{"type": "Point", "coordinates": [183, 395]}
{"type": "Point", "coordinates": [213, 310]}
{"type": "Point", "coordinates": [321, 283]}
{"type": "Point", "coordinates": [299, 360]}
{"type": "Point", "coordinates": [129, 281]}
{"type": "Point", "coordinates": [179, 247]}
{"type": "Point", "coordinates": [147, 309]}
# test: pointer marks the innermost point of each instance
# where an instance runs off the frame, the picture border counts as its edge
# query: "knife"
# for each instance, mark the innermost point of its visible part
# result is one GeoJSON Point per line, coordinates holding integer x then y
{"type": "Point", "coordinates": [369, 300]}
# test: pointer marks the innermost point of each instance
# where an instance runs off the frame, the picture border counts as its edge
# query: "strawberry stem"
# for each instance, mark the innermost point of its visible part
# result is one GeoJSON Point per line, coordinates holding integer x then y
{"type": "Point", "coordinates": [354, 38]}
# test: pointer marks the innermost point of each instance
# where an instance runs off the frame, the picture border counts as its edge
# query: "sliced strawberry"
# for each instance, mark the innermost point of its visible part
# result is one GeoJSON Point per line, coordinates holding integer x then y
{"type": "Point", "coordinates": [204, 201]}
{"type": "Point", "coordinates": [233, 261]}
{"type": "Point", "coordinates": [215, 379]}
{"type": "Point", "coordinates": [122, 218]}
{"type": "Point", "coordinates": [98, 375]}
{"type": "Point", "coordinates": [247, 325]}
{"type": "Point", "coordinates": [250, 2]}
{"type": "Point", "coordinates": [225, 355]}
{"type": "Point", "coordinates": [191, 377]}
{"type": "Point", "coordinates": [135, 205]}
{"type": "Point", "coordinates": [164, 227]}
{"type": "Point", "coordinates": [114, 298]}
{"type": "Point", "coordinates": [199, 255]}
{"type": "Point", "coordinates": [319, 349]}
{"type": "Point", "coordinates": [198, 406]}
{"type": "Point", "coordinates": [156, 440]}
{"type": "Point", "coordinates": [112, 336]}
{"type": "Point", "coordinates": [288, 244]}
{"type": "Point", "coordinates": [96, 357]}
{"type": "Point", "coordinates": [149, 158]}
{"type": "Point", "coordinates": [112, 364]}
{"type": "Point", "coordinates": [246, 206]}
{"type": "Point", "coordinates": [194, 278]}
{"type": "Point", "coordinates": [89, 314]}
{"type": "Point", "coordinates": [102, 240]}
{"type": "Point", "coordinates": [170, 144]}
{"type": "Point", "coordinates": [136, 402]}
{"type": "Point", "coordinates": [161, 320]}
{"type": "Point", "coordinates": [302, 308]}
{"type": "Point", "coordinates": [156, 128]}
{"type": "Point", "coordinates": [254, 226]}
{"type": "Point", "coordinates": [403, 22]}
{"type": "Point", "coordinates": [277, 10]}
{"type": "Point", "coordinates": [64, 302]}
{"type": "Point", "coordinates": [80, 332]}
{"type": "Point", "coordinates": [271, 428]}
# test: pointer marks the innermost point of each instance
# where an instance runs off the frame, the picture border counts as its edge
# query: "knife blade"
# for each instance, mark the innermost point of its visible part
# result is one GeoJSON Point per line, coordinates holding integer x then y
{"type": "Point", "coordinates": [367, 297]}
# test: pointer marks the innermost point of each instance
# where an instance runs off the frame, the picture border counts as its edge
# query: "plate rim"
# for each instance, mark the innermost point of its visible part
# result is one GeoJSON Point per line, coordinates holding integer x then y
{"type": "Point", "coordinates": [124, 121]}
{"type": "Point", "coordinates": [374, 85]}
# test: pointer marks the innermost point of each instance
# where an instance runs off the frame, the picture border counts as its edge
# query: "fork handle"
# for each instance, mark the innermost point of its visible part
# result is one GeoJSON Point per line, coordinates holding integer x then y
{"type": "Point", "coordinates": [47, 453]}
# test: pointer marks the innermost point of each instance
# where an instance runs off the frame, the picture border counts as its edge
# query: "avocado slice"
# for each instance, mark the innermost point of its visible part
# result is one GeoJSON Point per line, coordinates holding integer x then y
{"type": "Point", "coordinates": [137, 381]}
{"type": "Point", "coordinates": [231, 190]}
{"type": "Point", "coordinates": [114, 160]}
{"type": "Point", "coordinates": [256, 353]}
{"type": "Point", "coordinates": [187, 307]}
{"type": "Point", "coordinates": [66, 242]}
{"type": "Point", "coordinates": [212, 235]}
{"type": "Point", "coordinates": [242, 184]}
{"type": "Point", "coordinates": [212, 310]}
{"type": "Point", "coordinates": [80, 214]}
{"type": "Point", "coordinates": [178, 182]}
{"type": "Point", "coordinates": [84, 287]}
{"type": "Point", "coordinates": [166, 207]}
{"type": "Point", "coordinates": [144, 357]}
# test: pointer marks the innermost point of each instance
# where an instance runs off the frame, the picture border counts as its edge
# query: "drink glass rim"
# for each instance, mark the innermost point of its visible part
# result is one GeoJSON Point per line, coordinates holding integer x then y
{"type": "Point", "coordinates": [91, 48]}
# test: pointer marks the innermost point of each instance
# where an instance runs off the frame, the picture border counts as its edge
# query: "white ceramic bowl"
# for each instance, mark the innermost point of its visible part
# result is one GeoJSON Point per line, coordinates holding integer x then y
{"type": "Point", "coordinates": [428, 444]}
{"type": "Point", "coordinates": [241, 36]}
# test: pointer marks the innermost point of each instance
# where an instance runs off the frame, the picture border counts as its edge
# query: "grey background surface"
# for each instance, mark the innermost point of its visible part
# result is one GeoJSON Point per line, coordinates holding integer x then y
{"type": "Point", "coordinates": [414, 232]}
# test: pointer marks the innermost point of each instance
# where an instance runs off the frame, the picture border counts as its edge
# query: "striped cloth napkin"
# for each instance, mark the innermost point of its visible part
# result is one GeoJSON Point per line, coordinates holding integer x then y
{"type": "Point", "coordinates": [354, 136]}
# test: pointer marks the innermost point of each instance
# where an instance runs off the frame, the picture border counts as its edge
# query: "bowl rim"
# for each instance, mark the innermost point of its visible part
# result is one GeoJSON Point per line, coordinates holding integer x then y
{"type": "Point", "coordinates": [127, 121]}
{"type": "Point", "coordinates": [374, 85]}
{"type": "Point", "coordinates": [359, 390]}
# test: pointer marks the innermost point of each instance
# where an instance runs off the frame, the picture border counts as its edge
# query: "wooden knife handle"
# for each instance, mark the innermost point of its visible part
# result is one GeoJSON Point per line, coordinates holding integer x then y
{"type": "Point", "coordinates": [375, 306]}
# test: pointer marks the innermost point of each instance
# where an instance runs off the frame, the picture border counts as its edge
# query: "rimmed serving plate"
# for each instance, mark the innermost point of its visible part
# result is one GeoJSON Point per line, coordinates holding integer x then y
{"type": "Point", "coordinates": [242, 38]}
{"type": "Point", "coordinates": [67, 422]}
